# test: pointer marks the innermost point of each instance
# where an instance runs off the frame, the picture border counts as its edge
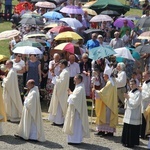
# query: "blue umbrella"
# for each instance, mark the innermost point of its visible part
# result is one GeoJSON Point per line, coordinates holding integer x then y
{"type": "Point", "coordinates": [101, 52]}
{"type": "Point", "coordinates": [53, 15]}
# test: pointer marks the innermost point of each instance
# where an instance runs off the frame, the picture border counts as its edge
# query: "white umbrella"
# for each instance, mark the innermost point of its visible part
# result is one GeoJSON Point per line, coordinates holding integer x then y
{"type": "Point", "coordinates": [101, 18]}
{"type": "Point", "coordinates": [27, 50]}
{"type": "Point", "coordinates": [124, 53]}
{"type": "Point", "coordinates": [45, 4]}
{"type": "Point", "coordinates": [9, 34]}
{"type": "Point", "coordinates": [72, 22]}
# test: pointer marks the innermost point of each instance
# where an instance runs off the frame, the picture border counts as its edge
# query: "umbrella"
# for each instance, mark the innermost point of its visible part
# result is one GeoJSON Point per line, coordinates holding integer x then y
{"type": "Point", "coordinates": [52, 1]}
{"type": "Point", "coordinates": [53, 15]}
{"type": "Point", "coordinates": [119, 22]}
{"type": "Point", "coordinates": [133, 17]}
{"type": "Point", "coordinates": [72, 22]}
{"type": "Point", "coordinates": [71, 9]}
{"type": "Point", "coordinates": [51, 26]}
{"type": "Point", "coordinates": [69, 47]}
{"type": "Point", "coordinates": [68, 35]}
{"type": "Point", "coordinates": [94, 31]}
{"type": "Point", "coordinates": [101, 18]}
{"type": "Point", "coordinates": [90, 11]}
{"type": "Point", "coordinates": [3, 58]}
{"type": "Point", "coordinates": [88, 4]}
{"type": "Point", "coordinates": [19, 7]}
{"type": "Point", "coordinates": [143, 49]}
{"type": "Point", "coordinates": [45, 5]}
{"type": "Point", "coordinates": [27, 50]}
{"type": "Point", "coordinates": [30, 15]}
{"type": "Point", "coordinates": [60, 29]}
{"type": "Point", "coordinates": [145, 35]}
{"type": "Point", "coordinates": [31, 21]}
{"type": "Point", "coordinates": [28, 43]}
{"type": "Point", "coordinates": [124, 53]}
{"type": "Point", "coordinates": [144, 22]}
{"type": "Point", "coordinates": [100, 52]}
{"type": "Point", "coordinates": [110, 13]}
{"type": "Point", "coordinates": [35, 34]}
{"type": "Point", "coordinates": [9, 34]}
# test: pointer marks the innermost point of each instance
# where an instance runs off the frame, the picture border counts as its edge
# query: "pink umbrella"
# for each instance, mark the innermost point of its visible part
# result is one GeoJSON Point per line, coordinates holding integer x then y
{"type": "Point", "coordinates": [120, 21]}
{"type": "Point", "coordinates": [71, 9]}
{"type": "Point", "coordinates": [101, 18]}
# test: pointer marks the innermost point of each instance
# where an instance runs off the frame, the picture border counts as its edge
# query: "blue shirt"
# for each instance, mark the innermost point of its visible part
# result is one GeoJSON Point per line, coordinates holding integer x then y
{"type": "Point", "coordinates": [91, 44]}
{"type": "Point", "coordinates": [8, 2]}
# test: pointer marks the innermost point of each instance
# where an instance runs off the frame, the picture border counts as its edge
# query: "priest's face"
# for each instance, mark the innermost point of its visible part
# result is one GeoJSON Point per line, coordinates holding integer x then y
{"type": "Point", "coordinates": [133, 85]}
{"type": "Point", "coordinates": [105, 76]}
{"type": "Point", "coordinates": [76, 80]}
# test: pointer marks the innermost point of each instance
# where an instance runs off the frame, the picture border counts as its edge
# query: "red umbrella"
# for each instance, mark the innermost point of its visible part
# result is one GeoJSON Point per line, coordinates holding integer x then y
{"type": "Point", "coordinates": [60, 29]}
{"type": "Point", "coordinates": [19, 7]}
{"type": "Point", "coordinates": [69, 47]}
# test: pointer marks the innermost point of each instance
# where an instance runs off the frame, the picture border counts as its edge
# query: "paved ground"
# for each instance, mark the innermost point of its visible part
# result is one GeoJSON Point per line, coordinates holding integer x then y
{"type": "Point", "coordinates": [57, 140]}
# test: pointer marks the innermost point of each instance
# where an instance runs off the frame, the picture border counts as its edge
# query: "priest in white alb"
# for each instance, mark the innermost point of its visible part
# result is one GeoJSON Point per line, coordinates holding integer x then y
{"type": "Point", "coordinates": [58, 104]}
{"type": "Point", "coordinates": [31, 124]}
{"type": "Point", "coordinates": [76, 124]}
{"type": "Point", "coordinates": [11, 95]}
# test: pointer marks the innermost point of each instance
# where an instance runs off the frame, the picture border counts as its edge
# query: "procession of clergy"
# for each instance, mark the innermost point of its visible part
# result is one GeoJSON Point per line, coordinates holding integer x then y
{"type": "Point", "coordinates": [69, 108]}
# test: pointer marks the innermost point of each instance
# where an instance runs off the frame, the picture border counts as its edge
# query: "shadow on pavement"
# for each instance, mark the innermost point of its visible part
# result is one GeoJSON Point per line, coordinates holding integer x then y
{"type": "Point", "coordinates": [47, 144]}
{"type": "Point", "coordinates": [90, 146]}
{"type": "Point", "coordinates": [19, 141]}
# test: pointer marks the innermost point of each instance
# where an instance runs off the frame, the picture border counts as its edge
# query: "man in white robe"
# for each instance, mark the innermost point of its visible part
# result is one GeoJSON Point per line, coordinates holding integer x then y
{"type": "Point", "coordinates": [145, 90]}
{"type": "Point", "coordinates": [76, 124]}
{"type": "Point", "coordinates": [11, 95]}
{"type": "Point", "coordinates": [58, 104]}
{"type": "Point", "coordinates": [31, 124]}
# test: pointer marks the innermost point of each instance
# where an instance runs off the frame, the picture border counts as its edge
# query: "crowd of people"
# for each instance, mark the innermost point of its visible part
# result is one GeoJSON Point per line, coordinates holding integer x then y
{"type": "Point", "coordinates": [68, 79]}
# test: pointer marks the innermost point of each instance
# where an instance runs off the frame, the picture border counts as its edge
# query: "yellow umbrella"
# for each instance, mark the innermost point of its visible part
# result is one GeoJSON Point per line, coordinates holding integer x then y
{"type": "Point", "coordinates": [68, 35]}
{"type": "Point", "coordinates": [88, 4]}
{"type": "Point", "coordinates": [3, 58]}
{"type": "Point", "coordinates": [90, 11]}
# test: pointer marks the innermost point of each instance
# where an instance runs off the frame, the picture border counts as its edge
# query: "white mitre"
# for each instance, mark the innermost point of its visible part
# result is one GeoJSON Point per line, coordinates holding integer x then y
{"type": "Point", "coordinates": [108, 71]}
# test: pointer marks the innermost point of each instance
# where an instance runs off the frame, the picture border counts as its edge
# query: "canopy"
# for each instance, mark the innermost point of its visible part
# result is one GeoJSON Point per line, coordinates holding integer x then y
{"type": "Point", "coordinates": [101, 5]}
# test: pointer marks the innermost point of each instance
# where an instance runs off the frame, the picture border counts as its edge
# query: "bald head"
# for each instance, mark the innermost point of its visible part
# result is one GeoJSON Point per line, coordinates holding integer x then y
{"type": "Point", "coordinates": [56, 57]}
{"type": "Point", "coordinates": [72, 59]}
{"type": "Point", "coordinates": [94, 36]}
{"type": "Point", "coordinates": [30, 84]}
{"type": "Point", "coordinates": [9, 64]}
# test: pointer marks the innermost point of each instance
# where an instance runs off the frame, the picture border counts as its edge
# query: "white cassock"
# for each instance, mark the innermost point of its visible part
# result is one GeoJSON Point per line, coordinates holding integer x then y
{"type": "Point", "coordinates": [58, 104]}
{"type": "Point", "coordinates": [11, 96]}
{"type": "Point", "coordinates": [76, 124]}
{"type": "Point", "coordinates": [31, 124]}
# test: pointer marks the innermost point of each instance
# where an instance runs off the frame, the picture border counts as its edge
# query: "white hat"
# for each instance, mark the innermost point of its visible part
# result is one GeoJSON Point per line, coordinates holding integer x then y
{"type": "Point", "coordinates": [100, 36]}
{"type": "Point", "coordinates": [108, 71]}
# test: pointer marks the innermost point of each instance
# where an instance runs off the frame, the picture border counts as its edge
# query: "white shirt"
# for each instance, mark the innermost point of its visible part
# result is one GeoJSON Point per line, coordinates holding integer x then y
{"type": "Point", "coordinates": [18, 66]}
{"type": "Point", "coordinates": [121, 80]}
{"type": "Point", "coordinates": [56, 69]}
{"type": "Point", "coordinates": [145, 95]}
{"type": "Point", "coordinates": [73, 69]}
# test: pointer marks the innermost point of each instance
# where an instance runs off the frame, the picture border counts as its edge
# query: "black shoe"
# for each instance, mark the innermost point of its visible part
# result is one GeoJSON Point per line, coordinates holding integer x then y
{"type": "Point", "coordinates": [73, 143]}
{"type": "Point", "coordinates": [99, 133]}
{"type": "Point", "coordinates": [109, 134]}
{"type": "Point", "coordinates": [54, 124]}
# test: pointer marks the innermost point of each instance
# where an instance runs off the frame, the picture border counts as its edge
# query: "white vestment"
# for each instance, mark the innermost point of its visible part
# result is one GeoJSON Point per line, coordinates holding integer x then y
{"type": "Point", "coordinates": [58, 104]}
{"type": "Point", "coordinates": [11, 96]}
{"type": "Point", "coordinates": [76, 124]}
{"type": "Point", "coordinates": [31, 124]}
